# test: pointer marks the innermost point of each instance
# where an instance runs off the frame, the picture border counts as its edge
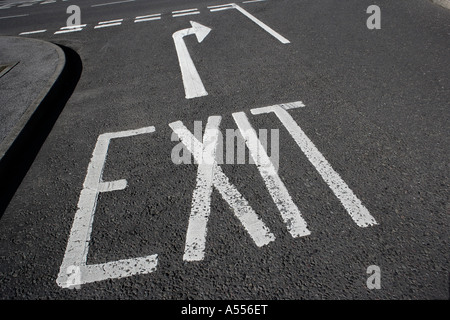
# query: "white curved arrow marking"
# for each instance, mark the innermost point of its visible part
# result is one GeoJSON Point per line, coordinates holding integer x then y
{"type": "Point", "coordinates": [193, 85]}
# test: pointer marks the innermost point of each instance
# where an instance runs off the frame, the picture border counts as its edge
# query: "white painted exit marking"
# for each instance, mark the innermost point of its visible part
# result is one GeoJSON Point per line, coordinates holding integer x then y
{"type": "Point", "coordinates": [352, 204]}
{"type": "Point", "coordinates": [77, 248]}
{"type": "Point", "coordinates": [209, 174]}
{"type": "Point", "coordinates": [268, 29]}
{"type": "Point", "coordinates": [290, 213]}
{"type": "Point", "coordinates": [193, 85]}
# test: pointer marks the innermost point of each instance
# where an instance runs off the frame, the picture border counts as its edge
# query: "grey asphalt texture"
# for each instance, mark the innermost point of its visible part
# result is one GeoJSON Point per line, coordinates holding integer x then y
{"type": "Point", "coordinates": [377, 107]}
{"type": "Point", "coordinates": [36, 66]}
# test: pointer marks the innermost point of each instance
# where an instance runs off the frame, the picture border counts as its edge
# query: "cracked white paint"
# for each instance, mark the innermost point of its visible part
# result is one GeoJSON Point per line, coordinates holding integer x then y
{"type": "Point", "coordinates": [352, 204]}
{"type": "Point", "coordinates": [209, 174]}
{"type": "Point", "coordinates": [75, 257]}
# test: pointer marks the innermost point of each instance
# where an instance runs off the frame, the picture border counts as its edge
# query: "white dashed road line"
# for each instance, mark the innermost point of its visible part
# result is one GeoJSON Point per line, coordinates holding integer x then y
{"type": "Point", "coordinates": [18, 16]}
{"type": "Point", "coordinates": [110, 3]}
{"type": "Point", "coordinates": [111, 23]}
{"type": "Point", "coordinates": [32, 32]}
{"type": "Point", "coordinates": [252, 1]}
{"type": "Point", "coordinates": [144, 18]}
{"type": "Point", "coordinates": [70, 29]}
{"type": "Point", "coordinates": [187, 12]}
{"type": "Point", "coordinates": [150, 17]}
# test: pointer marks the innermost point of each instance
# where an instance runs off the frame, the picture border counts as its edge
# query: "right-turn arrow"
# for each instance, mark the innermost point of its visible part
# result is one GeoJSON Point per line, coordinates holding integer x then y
{"type": "Point", "coordinates": [193, 85]}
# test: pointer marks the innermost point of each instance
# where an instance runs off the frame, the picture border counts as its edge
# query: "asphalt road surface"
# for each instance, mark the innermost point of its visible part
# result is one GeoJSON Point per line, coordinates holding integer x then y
{"type": "Point", "coordinates": [113, 205]}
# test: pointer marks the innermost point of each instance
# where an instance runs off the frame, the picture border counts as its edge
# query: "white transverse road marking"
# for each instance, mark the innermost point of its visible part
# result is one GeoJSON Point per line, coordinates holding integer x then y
{"type": "Point", "coordinates": [111, 3]}
{"type": "Point", "coordinates": [290, 213]}
{"type": "Point", "coordinates": [77, 249]}
{"type": "Point", "coordinates": [352, 204]}
{"type": "Point", "coordinates": [32, 32]}
{"type": "Point", "coordinates": [68, 29]}
{"type": "Point", "coordinates": [268, 29]}
{"type": "Point", "coordinates": [187, 12]}
{"type": "Point", "coordinates": [18, 16]}
{"type": "Point", "coordinates": [252, 1]}
{"type": "Point", "coordinates": [193, 85]}
{"type": "Point", "coordinates": [110, 23]}
{"type": "Point", "coordinates": [209, 174]}
{"type": "Point", "coordinates": [150, 17]}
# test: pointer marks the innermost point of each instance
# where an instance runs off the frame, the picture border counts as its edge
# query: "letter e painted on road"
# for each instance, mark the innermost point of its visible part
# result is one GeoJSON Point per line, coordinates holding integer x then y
{"type": "Point", "coordinates": [75, 257]}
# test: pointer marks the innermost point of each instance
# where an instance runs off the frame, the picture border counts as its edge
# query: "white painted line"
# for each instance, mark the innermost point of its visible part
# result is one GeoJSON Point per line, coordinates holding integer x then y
{"type": "Point", "coordinates": [148, 16]}
{"type": "Point", "coordinates": [185, 14]}
{"type": "Point", "coordinates": [25, 5]}
{"type": "Point", "coordinates": [77, 26]}
{"type": "Point", "coordinates": [192, 82]}
{"type": "Point", "coordinates": [209, 174]}
{"type": "Point", "coordinates": [221, 6]}
{"type": "Point", "coordinates": [352, 204]}
{"type": "Point", "coordinates": [272, 32]}
{"type": "Point", "coordinates": [183, 11]}
{"type": "Point", "coordinates": [111, 3]}
{"type": "Point", "coordinates": [18, 16]}
{"type": "Point", "coordinates": [32, 32]}
{"type": "Point", "coordinates": [296, 225]}
{"type": "Point", "coordinates": [252, 1]}
{"type": "Point", "coordinates": [147, 19]}
{"type": "Point", "coordinates": [221, 9]}
{"type": "Point", "coordinates": [75, 257]}
{"type": "Point", "coordinates": [68, 31]}
{"type": "Point", "coordinates": [262, 25]}
{"type": "Point", "coordinates": [47, 2]}
{"type": "Point", "coordinates": [108, 25]}
{"type": "Point", "coordinates": [110, 21]}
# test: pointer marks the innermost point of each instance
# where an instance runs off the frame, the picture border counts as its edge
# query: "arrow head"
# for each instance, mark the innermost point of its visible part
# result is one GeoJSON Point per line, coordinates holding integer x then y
{"type": "Point", "coordinates": [200, 30]}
